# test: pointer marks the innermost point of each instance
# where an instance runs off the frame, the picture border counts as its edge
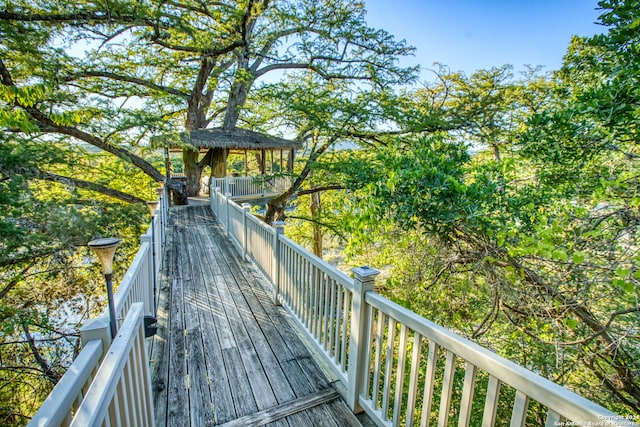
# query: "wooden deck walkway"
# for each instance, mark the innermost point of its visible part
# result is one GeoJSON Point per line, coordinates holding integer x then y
{"type": "Point", "coordinates": [224, 354]}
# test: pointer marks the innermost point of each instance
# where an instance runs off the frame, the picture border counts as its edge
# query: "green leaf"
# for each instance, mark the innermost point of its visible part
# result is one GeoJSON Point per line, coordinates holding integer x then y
{"type": "Point", "coordinates": [622, 272]}
{"type": "Point", "coordinates": [571, 322]}
{"type": "Point", "coordinates": [624, 285]}
{"type": "Point", "coordinates": [578, 257]}
{"type": "Point", "coordinates": [560, 255]}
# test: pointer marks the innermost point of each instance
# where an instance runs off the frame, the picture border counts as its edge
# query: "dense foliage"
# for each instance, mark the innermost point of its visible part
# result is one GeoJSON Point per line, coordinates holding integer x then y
{"type": "Point", "coordinates": [508, 209]}
{"type": "Point", "coordinates": [49, 283]}
{"type": "Point", "coordinates": [516, 223]}
{"type": "Point", "coordinates": [504, 207]}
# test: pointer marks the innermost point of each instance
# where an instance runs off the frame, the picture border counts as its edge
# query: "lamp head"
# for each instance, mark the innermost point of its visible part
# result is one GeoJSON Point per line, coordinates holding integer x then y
{"type": "Point", "coordinates": [105, 249]}
{"type": "Point", "coordinates": [153, 205]}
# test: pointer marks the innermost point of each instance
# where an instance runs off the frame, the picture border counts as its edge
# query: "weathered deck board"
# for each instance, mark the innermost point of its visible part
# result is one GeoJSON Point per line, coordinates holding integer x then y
{"type": "Point", "coordinates": [178, 405]}
{"type": "Point", "coordinates": [159, 364]}
{"type": "Point", "coordinates": [201, 410]}
{"type": "Point", "coordinates": [223, 350]}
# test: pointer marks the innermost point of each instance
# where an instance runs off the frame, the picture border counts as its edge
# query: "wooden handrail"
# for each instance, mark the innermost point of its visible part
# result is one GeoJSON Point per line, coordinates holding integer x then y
{"type": "Point", "coordinates": [116, 395]}
{"type": "Point", "coordinates": [553, 396]}
{"type": "Point", "coordinates": [249, 186]}
{"type": "Point", "coordinates": [58, 407]}
{"type": "Point", "coordinates": [385, 373]}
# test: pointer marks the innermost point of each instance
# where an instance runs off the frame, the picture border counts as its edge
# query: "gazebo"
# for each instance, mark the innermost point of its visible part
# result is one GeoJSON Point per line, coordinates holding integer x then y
{"type": "Point", "coordinates": [211, 147]}
{"type": "Point", "coordinates": [219, 144]}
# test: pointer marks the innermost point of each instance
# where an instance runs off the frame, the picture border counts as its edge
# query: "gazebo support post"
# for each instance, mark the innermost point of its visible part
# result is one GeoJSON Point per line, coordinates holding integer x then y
{"type": "Point", "coordinates": [281, 163]}
{"type": "Point", "coordinates": [291, 160]}
{"type": "Point", "coordinates": [167, 163]}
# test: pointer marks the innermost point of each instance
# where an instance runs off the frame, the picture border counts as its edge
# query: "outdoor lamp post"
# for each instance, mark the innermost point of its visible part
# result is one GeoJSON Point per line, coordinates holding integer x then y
{"type": "Point", "coordinates": [153, 206]}
{"type": "Point", "coordinates": [105, 249]}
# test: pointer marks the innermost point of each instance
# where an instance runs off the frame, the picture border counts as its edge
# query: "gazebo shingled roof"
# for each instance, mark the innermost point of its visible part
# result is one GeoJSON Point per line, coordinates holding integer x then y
{"type": "Point", "coordinates": [237, 139]}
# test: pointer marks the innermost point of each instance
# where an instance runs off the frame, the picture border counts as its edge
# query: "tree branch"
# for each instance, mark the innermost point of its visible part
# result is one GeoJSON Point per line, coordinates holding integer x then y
{"type": "Point", "coordinates": [308, 66]}
{"type": "Point", "coordinates": [48, 176]}
{"type": "Point", "coordinates": [128, 79]}
{"type": "Point", "coordinates": [334, 229]}
{"type": "Point", "coordinates": [204, 52]}
{"type": "Point", "coordinates": [200, 10]}
{"type": "Point", "coordinates": [277, 204]}
{"type": "Point", "coordinates": [262, 55]}
{"type": "Point", "coordinates": [41, 361]}
{"type": "Point", "coordinates": [14, 281]}
{"type": "Point", "coordinates": [319, 189]}
{"type": "Point", "coordinates": [522, 329]}
{"type": "Point", "coordinates": [45, 124]}
{"type": "Point", "coordinates": [621, 313]}
{"type": "Point", "coordinates": [76, 18]}
{"type": "Point", "coordinates": [5, 75]}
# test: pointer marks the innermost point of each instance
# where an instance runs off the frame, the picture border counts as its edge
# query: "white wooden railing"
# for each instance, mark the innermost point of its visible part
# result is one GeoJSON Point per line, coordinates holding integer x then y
{"type": "Point", "coordinates": [109, 384]}
{"type": "Point", "coordinates": [397, 366]}
{"type": "Point", "coordinates": [243, 186]}
{"type": "Point", "coordinates": [120, 394]}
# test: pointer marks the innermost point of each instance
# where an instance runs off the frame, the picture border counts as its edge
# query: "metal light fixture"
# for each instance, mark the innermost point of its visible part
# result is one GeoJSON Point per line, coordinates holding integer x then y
{"type": "Point", "coordinates": [151, 321]}
{"type": "Point", "coordinates": [105, 249]}
{"type": "Point", "coordinates": [153, 206]}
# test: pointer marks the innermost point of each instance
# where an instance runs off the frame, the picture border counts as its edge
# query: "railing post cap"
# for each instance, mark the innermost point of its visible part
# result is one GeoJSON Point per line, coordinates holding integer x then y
{"type": "Point", "coordinates": [365, 272]}
{"type": "Point", "coordinates": [227, 194]}
{"type": "Point", "coordinates": [246, 205]}
{"type": "Point", "coordinates": [278, 223]}
{"type": "Point", "coordinates": [95, 323]}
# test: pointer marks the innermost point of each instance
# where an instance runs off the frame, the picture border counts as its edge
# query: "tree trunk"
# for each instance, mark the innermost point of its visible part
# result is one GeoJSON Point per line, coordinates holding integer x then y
{"type": "Point", "coordinates": [496, 152]}
{"type": "Point", "coordinates": [191, 171]}
{"type": "Point", "coordinates": [276, 207]}
{"type": "Point", "coordinates": [178, 192]}
{"type": "Point", "coordinates": [315, 208]}
{"type": "Point", "coordinates": [219, 162]}
{"type": "Point", "coordinates": [237, 99]}
{"type": "Point", "coordinates": [198, 105]}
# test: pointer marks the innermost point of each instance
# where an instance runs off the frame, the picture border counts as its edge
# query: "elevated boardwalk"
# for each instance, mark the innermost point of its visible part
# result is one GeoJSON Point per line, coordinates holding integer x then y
{"type": "Point", "coordinates": [224, 354]}
{"type": "Point", "coordinates": [227, 354]}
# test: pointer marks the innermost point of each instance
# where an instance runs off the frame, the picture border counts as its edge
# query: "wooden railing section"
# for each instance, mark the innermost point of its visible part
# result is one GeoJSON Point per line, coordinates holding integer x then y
{"type": "Point", "coordinates": [245, 186]}
{"type": "Point", "coordinates": [397, 366]}
{"type": "Point", "coordinates": [109, 382]}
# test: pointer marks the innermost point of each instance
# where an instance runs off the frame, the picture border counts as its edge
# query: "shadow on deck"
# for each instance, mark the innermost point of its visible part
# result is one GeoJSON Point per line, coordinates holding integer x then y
{"type": "Point", "coordinates": [224, 354]}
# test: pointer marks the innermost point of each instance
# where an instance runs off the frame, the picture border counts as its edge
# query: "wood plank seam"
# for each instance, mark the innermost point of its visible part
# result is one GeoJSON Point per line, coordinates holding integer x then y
{"type": "Point", "coordinates": [286, 409]}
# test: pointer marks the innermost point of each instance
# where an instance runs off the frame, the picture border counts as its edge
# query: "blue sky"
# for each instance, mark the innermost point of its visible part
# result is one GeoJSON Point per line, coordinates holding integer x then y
{"type": "Point", "coordinates": [467, 35]}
